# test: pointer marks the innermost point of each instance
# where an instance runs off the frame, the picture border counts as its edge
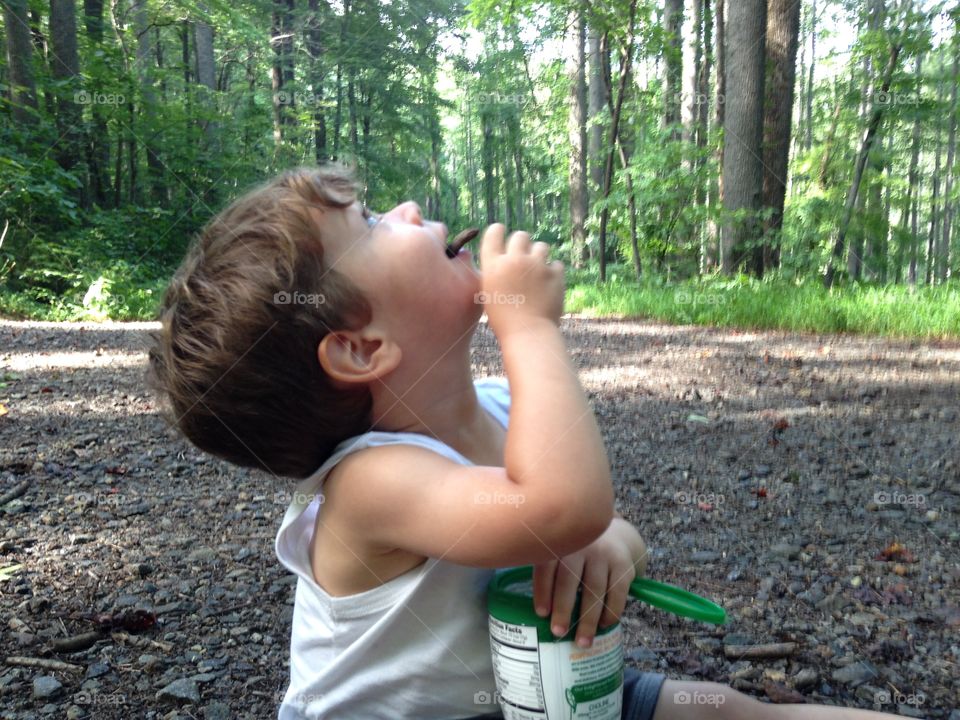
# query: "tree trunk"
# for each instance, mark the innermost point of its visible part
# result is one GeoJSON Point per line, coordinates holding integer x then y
{"type": "Point", "coordinates": [207, 77]}
{"type": "Point", "coordinates": [673, 64]}
{"type": "Point", "coordinates": [783, 29]}
{"type": "Point", "coordinates": [943, 260]}
{"type": "Point", "coordinates": [147, 126]}
{"type": "Point", "coordinates": [487, 158]}
{"type": "Point", "coordinates": [65, 68]}
{"type": "Point", "coordinates": [813, 62]}
{"type": "Point", "coordinates": [876, 117]}
{"type": "Point", "coordinates": [743, 131]}
{"type": "Point", "coordinates": [715, 201]}
{"type": "Point", "coordinates": [23, 90]}
{"type": "Point", "coordinates": [597, 101]}
{"type": "Point", "coordinates": [576, 128]}
{"type": "Point", "coordinates": [98, 142]}
{"type": "Point", "coordinates": [703, 112]}
{"type": "Point", "coordinates": [909, 202]}
{"type": "Point", "coordinates": [281, 73]}
{"type": "Point", "coordinates": [317, 63]}
{"type": "Point", "coordinates": [626, 58]}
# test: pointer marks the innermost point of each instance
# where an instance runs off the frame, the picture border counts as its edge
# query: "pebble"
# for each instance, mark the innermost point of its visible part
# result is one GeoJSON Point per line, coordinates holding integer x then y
{"type": "Point", "coordinates": [856, 673]}
{"type": "Point", "coordinates": [180, 691]}
{"type": "Point", "coordinates": [217, 711]}
{"type": "Point", "coordinates": [705, 556]}
{"type": "Point", "coordinates": [807, 677]}
{"type": "Point", "coordinates": [47, 687]}
{"type": "Point", "coordinates": [786, 550]}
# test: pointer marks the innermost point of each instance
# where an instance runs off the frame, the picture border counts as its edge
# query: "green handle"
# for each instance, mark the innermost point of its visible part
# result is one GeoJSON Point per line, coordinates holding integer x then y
{"type": "Point", "coordinates": [679, 602]}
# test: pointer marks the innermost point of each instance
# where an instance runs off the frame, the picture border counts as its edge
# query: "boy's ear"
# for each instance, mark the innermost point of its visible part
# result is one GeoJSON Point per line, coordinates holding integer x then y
{"type": "Point", "coordinates": [351, 357]}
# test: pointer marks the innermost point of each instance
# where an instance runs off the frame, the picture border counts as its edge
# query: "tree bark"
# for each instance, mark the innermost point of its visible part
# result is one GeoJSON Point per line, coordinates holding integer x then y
{"type": "Point", "coordinates": [783, 30]}
{"type": "Point", "coordinates": [147, 126]}
{"type": "Point", "coordinates": [65, 68]}
{"type": "Point", "coordinates": [715, 199]}
{"type": "Point", "coordinates": [23, 90]}
{"type": "Point", "coordinates": [597, 100]}
{"type": "Point", "coordinates": [909, 205]}
{"type": "Point", "coordinates": [317, 63]}
{"type": "Point", "coordinates": [98, 141]}
{"type": "Point", "coordinates": [875, 118]}
{"type": "Point", "coordinates": [943, 263]}
{"type": "Point", "coordinates": [743, 130]}
{"type": "Point", "coordinates": [576, 128]}
{"type": "Point", "coordinates": [673, 64]}
{"type": "Point", "coordinates": [626, 58]}
{"type": "Point", "coordinates": [281, 72]}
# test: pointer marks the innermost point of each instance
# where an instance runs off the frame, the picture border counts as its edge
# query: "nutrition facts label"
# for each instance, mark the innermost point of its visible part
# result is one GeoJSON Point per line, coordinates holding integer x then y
{"type": "Point", "coordinates": [554, 680]}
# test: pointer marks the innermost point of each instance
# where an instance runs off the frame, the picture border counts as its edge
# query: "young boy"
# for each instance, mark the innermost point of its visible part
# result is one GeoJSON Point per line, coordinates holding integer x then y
{"type": "Point", "coordinates": [307, 337]}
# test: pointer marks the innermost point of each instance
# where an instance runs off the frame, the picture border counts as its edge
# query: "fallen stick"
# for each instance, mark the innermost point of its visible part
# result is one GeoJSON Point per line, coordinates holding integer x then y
{"type": "Point", "coordinates": [43, 663]}
{"type": "Point", "coordinates": [15, 493]}
{"type": "Point", "coordinates": [76, 643]}
{"type": "Point", "coordinates": [755, 652]}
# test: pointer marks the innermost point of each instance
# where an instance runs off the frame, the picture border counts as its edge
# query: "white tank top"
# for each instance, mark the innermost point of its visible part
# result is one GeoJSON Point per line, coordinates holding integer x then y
{"type": "Point", "coordinates": [417, 647]}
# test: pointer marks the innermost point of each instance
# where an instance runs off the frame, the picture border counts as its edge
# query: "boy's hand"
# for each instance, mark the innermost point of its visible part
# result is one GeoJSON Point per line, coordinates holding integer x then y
{"type": "Point", "coordinates": [519, 284]}
{"type": "Point", "coordinates": [606, 568]}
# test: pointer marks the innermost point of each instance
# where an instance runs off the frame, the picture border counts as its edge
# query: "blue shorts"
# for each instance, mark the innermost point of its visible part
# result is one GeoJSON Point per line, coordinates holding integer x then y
{"type": "Point", "coordinates": [640, 693]}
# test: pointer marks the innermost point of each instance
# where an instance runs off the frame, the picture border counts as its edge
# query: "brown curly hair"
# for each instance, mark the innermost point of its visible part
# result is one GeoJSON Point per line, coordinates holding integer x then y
{"type": "Point", "coordinates": [237, 360]}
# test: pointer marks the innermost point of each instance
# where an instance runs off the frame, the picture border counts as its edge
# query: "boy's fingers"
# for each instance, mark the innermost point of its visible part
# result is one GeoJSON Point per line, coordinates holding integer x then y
{"type": "Point", "coordinates": [519, 242]}
{"type": "Point", "coordinates": [591, 605]}
{"type": "Point", "coordinates": [492, 243]}
{"type": "Point", "coordinates": [565, 593]}
{"type": "Point", "coordinates": [614, 604]}
{"type": "Point", "coordinates": [543, 576]}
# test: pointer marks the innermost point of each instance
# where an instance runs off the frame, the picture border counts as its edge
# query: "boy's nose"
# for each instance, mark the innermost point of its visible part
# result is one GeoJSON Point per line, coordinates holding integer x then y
{"type": "Point", "coordinates": [410, 212]}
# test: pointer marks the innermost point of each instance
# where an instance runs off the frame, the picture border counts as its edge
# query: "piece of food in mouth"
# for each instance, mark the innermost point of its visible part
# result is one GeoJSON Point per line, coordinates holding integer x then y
{"type": "Point", "coordinates": [462, 238]}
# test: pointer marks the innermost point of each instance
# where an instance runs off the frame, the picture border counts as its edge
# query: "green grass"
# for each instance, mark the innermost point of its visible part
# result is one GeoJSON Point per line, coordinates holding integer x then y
{"type": "Point", "coordinates": [888, 310]}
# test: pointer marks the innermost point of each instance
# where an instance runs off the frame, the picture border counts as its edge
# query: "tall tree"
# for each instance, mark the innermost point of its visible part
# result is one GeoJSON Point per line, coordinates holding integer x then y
{"type": "Point", "coordinates": [743, 130]}
{"type": "Point", "coordinates": [98, 141]}
{"type": "Point", "coordinates": [783, 30]}
{"type": "Point", "coordinates": [576, 130]}
{"type": "Point", "coordinates": [23, 89]}
{"type": "Point", "coordinates": [673, 64]}
{"type": "Point", "coordinates": [868, 138]}
{"type": "Point", "coordinates": [65, 65]}
{"type": "Point", "coordinates": [281, 73]}
{"type": "Point", "coordinates": [943, 256]}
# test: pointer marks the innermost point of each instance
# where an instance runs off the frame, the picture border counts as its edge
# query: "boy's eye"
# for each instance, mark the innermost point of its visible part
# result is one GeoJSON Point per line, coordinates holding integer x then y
{"type": "Point", "coordinates": [369, 217]}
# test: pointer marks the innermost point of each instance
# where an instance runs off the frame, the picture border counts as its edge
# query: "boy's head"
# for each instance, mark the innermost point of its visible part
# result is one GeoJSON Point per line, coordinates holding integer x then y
{"type": "Point", "coordinates": [290, 308]}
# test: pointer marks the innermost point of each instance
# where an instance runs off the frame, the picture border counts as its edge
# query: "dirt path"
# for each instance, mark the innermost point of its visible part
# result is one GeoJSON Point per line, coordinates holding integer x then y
{"type": "Point", "coordinates": [769, 471]}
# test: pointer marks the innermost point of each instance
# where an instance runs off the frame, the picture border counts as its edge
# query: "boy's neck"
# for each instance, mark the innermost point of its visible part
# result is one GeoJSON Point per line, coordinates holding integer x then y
{"type": "Point", "coordinates": [441, 403]}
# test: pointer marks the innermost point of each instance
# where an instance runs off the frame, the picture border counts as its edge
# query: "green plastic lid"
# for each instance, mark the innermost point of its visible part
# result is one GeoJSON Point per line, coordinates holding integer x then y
{"type": "Point", "coordinates": [510, 599]}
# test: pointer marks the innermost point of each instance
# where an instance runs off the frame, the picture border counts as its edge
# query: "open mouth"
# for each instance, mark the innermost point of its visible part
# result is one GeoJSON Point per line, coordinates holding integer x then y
{"type": "Point", "coordinates": [462, 238]}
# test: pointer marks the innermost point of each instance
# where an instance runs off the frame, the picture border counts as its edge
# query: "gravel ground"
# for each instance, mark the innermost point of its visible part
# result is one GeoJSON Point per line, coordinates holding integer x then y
{"type": "Point", "coordinates": [810, 484]}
